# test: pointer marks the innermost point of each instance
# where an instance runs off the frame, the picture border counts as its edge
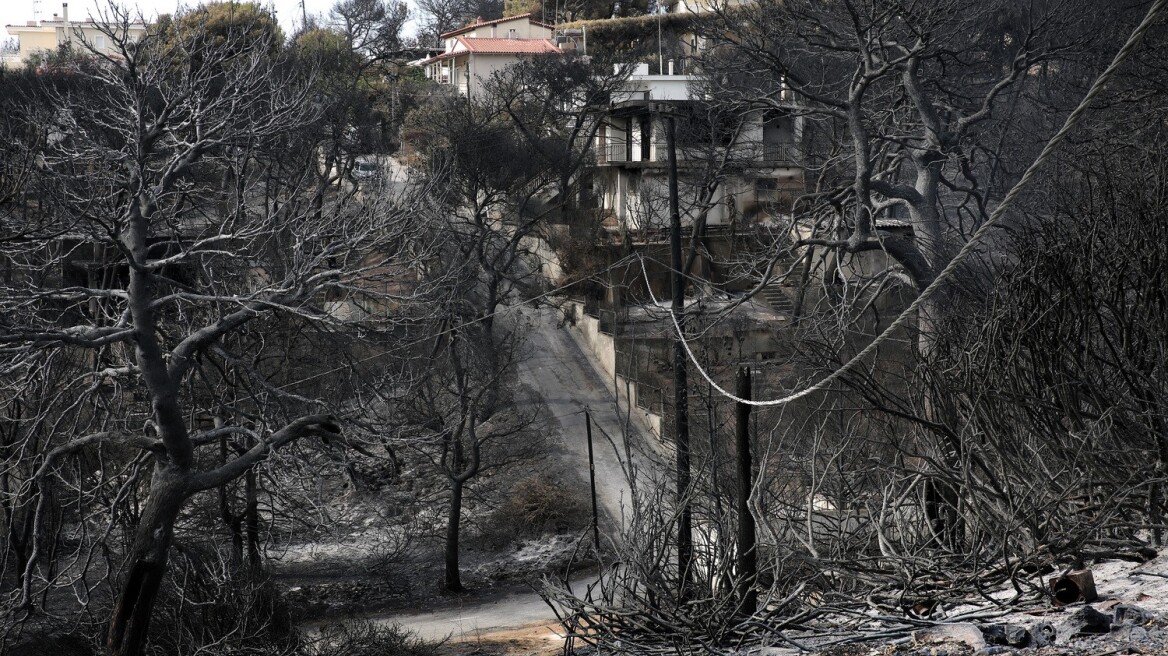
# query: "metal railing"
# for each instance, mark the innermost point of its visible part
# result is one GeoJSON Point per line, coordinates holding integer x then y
{"type": "Point", "coordinates": [616, 151]}
{"type": "Point", "coordinates": [779, 152]}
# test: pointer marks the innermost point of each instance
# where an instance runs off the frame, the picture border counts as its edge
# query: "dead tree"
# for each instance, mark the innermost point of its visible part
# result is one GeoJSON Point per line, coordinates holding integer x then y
{"type": "Point", "coordinates": [146, 257]}
{"type": "Point", "coordinates": [912, 116]}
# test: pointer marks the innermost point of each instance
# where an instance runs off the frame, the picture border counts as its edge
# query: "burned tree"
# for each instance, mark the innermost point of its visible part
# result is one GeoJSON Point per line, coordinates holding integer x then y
{"type": "Point", "coordinates": [917, 122]}
{"type": "Point", "coordinates": [176, 210]}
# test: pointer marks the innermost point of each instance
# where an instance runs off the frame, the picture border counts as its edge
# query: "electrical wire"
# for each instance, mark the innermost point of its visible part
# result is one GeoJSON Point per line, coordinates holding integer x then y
{"type": "Point", "coordinates": [904, 317]}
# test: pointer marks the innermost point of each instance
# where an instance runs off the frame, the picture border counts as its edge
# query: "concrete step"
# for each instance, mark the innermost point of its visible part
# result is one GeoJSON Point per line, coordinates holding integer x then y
{"type": "Point", "coordinates": [778, 298]}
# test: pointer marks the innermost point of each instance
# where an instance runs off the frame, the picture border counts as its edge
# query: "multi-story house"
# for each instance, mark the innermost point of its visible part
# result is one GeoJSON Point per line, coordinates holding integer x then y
{"type": "Point", "coordinates": [39, 37]}
{"type": "Point", "coordinates": [472, 53]}
{"type": "Point", "coordinates": [754, 159]}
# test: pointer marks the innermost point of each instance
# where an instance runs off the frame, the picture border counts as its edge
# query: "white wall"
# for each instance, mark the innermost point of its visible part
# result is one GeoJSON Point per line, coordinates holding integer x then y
{"type": "Point", "coordinates": [602, 349]}
{"type": "Point", "coordinates": [658, 87]}
{"type": "Point", "coordinates": [482, 67]}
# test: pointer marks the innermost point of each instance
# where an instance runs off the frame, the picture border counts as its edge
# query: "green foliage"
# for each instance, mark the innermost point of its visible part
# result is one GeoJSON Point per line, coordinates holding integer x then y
{"type": "Point", "coordinates": [629, 30]}
{"type": "Point", "coordinates": [413, 74]}
{"type": "Point", "coordinates": [330, 51]}
{"type": "Point", "coordinates": [602, 10]}
{"type": "Point", "coordinates": [219, 21]}
{"type": "Point", "coordinates": [637, 37]}
{"type": "Point", "coordinates": [237, 26]}
{"type": "Point", "coordinates": [520, 7]}
{"type": "Point", "coordinates": [64, 58]}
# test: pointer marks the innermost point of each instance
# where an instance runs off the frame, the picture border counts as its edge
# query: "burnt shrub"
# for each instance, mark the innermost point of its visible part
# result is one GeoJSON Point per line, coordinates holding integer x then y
{"type": "Point", "coordinates": [360, 637]}
{"type": "Point", "coordinates": [534, 507]}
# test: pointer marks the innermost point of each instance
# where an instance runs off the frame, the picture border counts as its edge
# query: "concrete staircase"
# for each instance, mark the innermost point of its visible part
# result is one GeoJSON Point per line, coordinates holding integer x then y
{"type": "Point", "coordinates": [778, 298]}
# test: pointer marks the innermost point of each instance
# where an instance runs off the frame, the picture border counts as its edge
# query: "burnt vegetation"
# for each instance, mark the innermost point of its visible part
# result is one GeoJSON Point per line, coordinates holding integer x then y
{"type": "Point", "coordinates": [224, 324]}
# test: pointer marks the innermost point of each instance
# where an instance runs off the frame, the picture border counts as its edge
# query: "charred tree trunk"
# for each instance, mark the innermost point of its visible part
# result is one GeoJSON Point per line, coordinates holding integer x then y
{"type": "Point", "coordinates": [252, 520]}
{"type": "Point", "coordinates": [453, 578]}
{"type": "Point", "coordinates": [232, 521]}
{"type": "Point", "coordinates": [680, 383]}
{"type": "Point", "coordinates": [941, 511]}
{"type": "Point", "coordinates": [942, 491]}
{"type": "Point", "coordinates": [1156, 492]}
{"type": "Point", "coordinates": [146, 564]}
{"type": "Point", "coordinates": [18, 528]}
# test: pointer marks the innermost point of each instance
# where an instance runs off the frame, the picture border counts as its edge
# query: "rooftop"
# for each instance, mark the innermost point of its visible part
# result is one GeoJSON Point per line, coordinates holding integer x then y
{"type": "Point", "coordinates": [509, 46]}
{"type": "Point", "coordinates": [493, 46]}
{"type": "Point", "coordinates": [57, 21]}
{"type": "Point", "coordinates": [468, 28]}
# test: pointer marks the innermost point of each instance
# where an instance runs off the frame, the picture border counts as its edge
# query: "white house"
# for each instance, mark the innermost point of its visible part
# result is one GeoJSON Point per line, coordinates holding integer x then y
{"type": "Point", "coordinates": [631, 179]}
{"type": "Point", "coordinates": [48, 35]}
{"type": "Point", "coordinates": [471, 54]}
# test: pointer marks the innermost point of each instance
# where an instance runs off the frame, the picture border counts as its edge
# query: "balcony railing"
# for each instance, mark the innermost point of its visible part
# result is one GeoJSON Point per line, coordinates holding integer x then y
{"type": "Point", "coordinates": [780, 152]}
{"type": "Point", "coordinates": [615, 151]}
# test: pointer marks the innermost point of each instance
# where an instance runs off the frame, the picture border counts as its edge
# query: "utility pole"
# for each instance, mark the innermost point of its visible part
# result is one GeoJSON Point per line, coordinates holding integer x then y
{"type": "Point", "coordinates": [680, 383]}
{"type": "Point", "coordinates": [592, 481]}
{"type": "Point", "coordinates": [747, 557]}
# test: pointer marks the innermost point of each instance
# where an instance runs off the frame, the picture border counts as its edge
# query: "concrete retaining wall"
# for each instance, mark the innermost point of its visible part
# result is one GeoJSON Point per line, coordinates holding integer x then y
{"type": "Point", "coordinates": [602, 348]}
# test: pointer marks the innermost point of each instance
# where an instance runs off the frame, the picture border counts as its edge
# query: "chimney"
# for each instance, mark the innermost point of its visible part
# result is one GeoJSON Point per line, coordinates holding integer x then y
{"type": "Point", "coordinates": [65, 21]}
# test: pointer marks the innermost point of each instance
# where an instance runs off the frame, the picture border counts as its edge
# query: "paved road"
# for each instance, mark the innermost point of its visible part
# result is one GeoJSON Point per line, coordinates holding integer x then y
{"type": "Point", "coordinates": [559, 370]}
{"type": "Point", "coordinates": [475, 618]}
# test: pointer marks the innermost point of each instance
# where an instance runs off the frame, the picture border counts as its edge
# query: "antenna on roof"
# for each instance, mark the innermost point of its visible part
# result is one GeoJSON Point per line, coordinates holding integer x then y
{"type": "Point", "coordinates": [36, 9]}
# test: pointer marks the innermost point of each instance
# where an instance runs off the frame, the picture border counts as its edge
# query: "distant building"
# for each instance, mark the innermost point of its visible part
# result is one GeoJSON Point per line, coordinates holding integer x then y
{"type": "Point", "coordinates": [471, 54]}
{"type": "Point", "coordinates": [38, 37]}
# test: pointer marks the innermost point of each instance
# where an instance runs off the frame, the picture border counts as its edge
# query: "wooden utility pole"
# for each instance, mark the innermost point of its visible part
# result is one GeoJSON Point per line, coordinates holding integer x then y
{"type": "Point", "coordinates": [747, 557]}
{"type": "Point", "coordinates": [592, 481]}
{"type": "Point", "coordinates": [680, 383]}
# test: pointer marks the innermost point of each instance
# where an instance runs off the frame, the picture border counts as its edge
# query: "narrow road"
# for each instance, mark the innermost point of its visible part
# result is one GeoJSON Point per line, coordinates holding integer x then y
{"type": "Point", "coordinates": [559, 370]}
{"type": "Point", "coordinates": [479, 618]}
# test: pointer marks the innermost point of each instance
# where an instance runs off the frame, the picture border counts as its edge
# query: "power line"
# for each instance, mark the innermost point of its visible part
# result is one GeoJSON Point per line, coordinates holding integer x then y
{"type": "Point", "coordinates": [903, 318]}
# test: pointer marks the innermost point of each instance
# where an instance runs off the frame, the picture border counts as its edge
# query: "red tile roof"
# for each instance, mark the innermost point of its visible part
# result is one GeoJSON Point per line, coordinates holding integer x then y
{"type": "Point", "coordinates": [468, 28]}
{"type": "Point", "coordinates": [491, 46]}
{"type": "Point", "coordinates": [508, 46]}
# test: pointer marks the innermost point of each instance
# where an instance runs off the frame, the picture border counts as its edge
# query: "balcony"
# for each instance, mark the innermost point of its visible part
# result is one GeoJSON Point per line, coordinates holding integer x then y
{"type": "Point", "coordinates": [614, 152]}
{"type": "Point", "coordinates": [779, 153]}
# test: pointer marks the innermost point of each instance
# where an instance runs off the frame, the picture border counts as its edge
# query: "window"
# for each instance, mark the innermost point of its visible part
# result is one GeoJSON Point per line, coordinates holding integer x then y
{"type": "Point", "coordinates": [699, 127]}
{"type": "Point", "coordinates": [767, 191]}
{"type": "Point", "coordinates": [99, 43]}
{"type": "Point", "coordinates": [512, 34]}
